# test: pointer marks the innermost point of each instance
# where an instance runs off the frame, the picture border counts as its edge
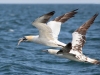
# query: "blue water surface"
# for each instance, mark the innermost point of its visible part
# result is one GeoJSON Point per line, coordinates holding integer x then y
{"type": "Point", "coordinates": [28, 58]}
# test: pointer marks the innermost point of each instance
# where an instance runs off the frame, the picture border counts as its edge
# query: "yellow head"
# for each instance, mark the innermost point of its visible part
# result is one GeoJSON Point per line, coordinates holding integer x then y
{"type": "Point", "coordinates": [26, 38]}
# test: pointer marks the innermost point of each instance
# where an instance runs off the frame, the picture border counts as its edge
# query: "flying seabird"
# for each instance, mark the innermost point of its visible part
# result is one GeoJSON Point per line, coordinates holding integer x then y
{"type": "Point", "coordinates": [73, 50]}
{"type": "Point", "coordinates": [48, 33]}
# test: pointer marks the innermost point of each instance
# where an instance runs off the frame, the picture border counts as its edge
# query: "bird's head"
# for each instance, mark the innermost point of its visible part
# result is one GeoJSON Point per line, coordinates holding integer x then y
{"type": "Point", "coordinates": [25, 38]}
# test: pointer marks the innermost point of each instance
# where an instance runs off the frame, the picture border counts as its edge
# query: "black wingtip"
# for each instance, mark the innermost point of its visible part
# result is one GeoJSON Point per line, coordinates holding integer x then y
{"type": "Point", "coordinates": [75, 10]}
{"type": "Point", "coordinates": [51, 13]}
{"type": "Point", "coordinates": [96, 14]}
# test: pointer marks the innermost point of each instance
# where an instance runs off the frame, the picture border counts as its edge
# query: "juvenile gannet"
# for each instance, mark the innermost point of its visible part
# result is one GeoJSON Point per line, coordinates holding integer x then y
{"type": "Point", "coordinates": [48, 33]}
{"type": "Point", "coordinates": [73, 50]}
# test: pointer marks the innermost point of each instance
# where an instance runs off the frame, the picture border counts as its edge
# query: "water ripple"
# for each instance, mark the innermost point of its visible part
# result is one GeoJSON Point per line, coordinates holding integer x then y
{"type": "Point", "coordinates": [28, 58]}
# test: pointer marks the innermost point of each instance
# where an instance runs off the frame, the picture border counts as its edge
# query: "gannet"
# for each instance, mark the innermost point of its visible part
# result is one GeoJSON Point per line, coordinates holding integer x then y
{"type": "Point", "coordinates": [48, 33]}
{"type": "Point", "coordinates": [73, 50]}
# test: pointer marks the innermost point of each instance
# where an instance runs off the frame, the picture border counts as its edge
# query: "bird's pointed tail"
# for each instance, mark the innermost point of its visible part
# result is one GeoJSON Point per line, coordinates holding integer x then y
{"type": "Point", "coordinates": [93, 61]}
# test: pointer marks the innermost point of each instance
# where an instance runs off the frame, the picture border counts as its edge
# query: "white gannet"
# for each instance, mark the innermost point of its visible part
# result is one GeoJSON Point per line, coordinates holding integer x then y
{"type": "Point", "coordinates": [73, 50]}
{"type": "Point", "coordinates": [48, 33]}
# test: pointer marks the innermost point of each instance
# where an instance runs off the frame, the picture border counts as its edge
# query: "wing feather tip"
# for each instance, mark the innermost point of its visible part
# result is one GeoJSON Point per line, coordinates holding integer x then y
{"type": "Point", "coordinates": [51, 13]}
{"type": "Point", "coordinates": [75, 10]}
{"type": "Point", "coordinates": [96, 62]}
{"type": "Point", "coordinates": [96, 14]}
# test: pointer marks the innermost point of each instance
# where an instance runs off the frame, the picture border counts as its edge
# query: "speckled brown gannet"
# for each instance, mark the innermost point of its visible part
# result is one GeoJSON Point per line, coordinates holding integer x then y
{"type": "Point", "coordinates": [73, 50]}
{"type": "Point", "coordinates": [48, 33]}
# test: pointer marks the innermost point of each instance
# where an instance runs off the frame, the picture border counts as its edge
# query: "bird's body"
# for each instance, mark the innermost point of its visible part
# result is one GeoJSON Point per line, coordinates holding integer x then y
{"type": "Point", "coordinates": [74, 56]}
{"type": "Point", "coordinates": [73, 50]}
{"type": "Point", "coordinates": [64, 55]}
{"type": "Point", "coordinates": [48, 33]}
{"type": "Point", "coordinates": [51, 43]}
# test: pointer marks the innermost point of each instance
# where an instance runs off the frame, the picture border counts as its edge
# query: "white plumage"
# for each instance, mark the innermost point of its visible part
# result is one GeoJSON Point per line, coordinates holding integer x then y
{"type": "Point", "coordinates": [48, 33]}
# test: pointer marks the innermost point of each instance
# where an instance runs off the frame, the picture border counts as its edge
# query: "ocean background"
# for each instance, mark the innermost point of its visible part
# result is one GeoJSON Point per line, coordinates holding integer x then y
{"type": "Point", "coordinates": [28, 58]}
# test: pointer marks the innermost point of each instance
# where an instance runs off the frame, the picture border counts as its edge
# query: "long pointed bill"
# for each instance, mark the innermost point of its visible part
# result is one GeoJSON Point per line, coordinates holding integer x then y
{"type": "Point", "coordinates": [21, 40]}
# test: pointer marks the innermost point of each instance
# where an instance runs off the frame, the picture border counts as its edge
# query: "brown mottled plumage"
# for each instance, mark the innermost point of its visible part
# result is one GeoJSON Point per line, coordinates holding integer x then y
{"type": "Point", "coordinates": [82, 30]}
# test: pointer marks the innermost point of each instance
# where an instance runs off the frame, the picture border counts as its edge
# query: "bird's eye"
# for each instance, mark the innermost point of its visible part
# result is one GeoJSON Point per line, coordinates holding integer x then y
{"type": "Point", "coordinates": [24, 39]}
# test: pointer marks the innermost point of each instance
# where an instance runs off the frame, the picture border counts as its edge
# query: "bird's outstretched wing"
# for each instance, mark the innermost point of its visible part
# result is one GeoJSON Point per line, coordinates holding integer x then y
{"type": "Point", "coordinates": [78, 35]}
{"type": "Point", "coordinates": [40, 23]}
{"type": "Point", "coordinates": [63, 18]}
{"type": "Point", "coordinates": [55, 25]}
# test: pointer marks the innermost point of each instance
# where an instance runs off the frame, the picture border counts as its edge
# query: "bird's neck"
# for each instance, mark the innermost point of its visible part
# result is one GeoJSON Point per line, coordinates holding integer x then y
{"type": "Point", "coordinates": [36, 39]}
